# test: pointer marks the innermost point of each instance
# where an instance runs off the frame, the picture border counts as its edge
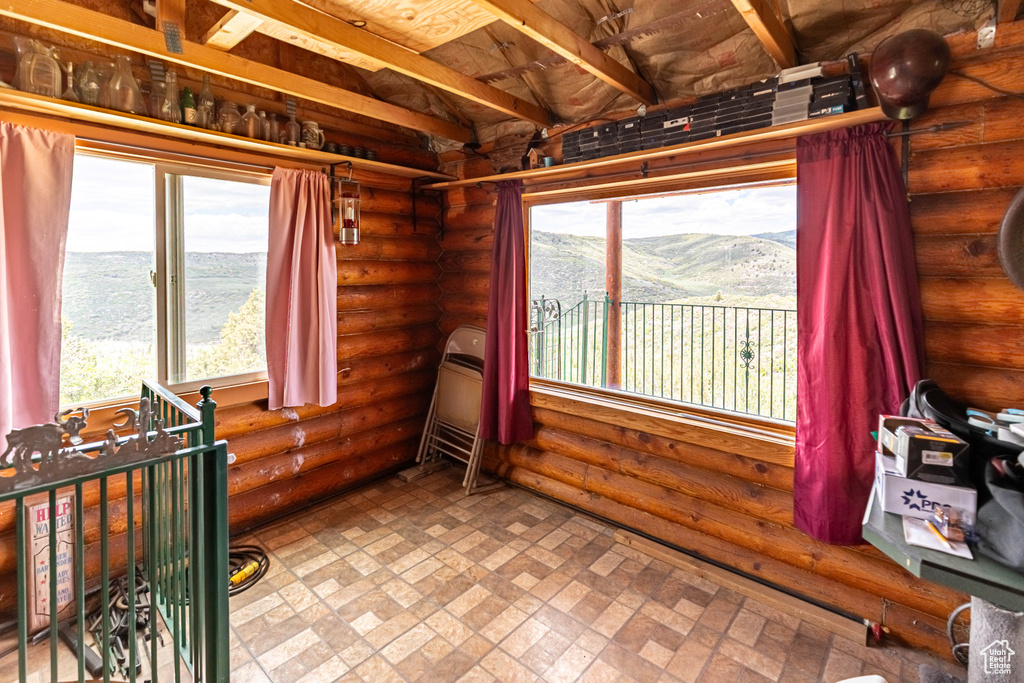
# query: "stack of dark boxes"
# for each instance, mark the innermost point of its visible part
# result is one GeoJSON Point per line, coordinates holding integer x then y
{"type": "Point", "coordinates": [571, 147]}
{"type": "Point", "coordinates": [795, 95]}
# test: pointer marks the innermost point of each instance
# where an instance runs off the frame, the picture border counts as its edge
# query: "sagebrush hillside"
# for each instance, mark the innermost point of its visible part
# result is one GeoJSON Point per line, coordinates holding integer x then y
{"type": "Point", "coordinates": [668, 268]}
{"type": "Point", "coordinates": [108, 295]}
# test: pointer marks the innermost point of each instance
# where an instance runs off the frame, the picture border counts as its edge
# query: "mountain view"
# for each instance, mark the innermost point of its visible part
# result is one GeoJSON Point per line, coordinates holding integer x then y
{"type": "Point", "coordinates": [109, 296]}
{"type": "Point", "coordinates": [690, 268]}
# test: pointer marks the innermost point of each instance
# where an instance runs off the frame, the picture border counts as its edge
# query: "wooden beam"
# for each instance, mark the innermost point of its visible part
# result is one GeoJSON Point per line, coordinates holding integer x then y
{"type": "Point", "coordinates": [534, 22]}
{"type": "Point", "coordinates": [170, 19]}
{"type": "Point", "coordinates": [613, 287]}
{"type": "Point", "coordinates": [324, 28]}
{"type": "Point", "coordinates": [103, 28]}
{"type": "Point", "coordinates": [772, 33]}
{"type": "Point", "coordinates": [233, 28]}
{"type": "Point", "coordinates": [1008, 10]}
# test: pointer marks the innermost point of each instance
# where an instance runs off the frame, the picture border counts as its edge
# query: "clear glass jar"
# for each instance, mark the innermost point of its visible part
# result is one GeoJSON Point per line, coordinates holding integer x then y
{"type": "Point", "coordinates": [124, 92]}
{"type": "Point", "coordinates": [228, 118]}
{"type": "Point", "coordinates": [250, 122]}
{"type": "Point", "coordinates": [38, 69]}
{"type": "Point", "coordinates": [88, 84]}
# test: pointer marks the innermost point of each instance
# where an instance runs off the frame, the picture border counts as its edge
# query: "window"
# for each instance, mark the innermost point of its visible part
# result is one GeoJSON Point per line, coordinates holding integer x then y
{"type": "Point", "coordinates": [707, 310]}
{"type": "Point", "coordinates": [164, 278]}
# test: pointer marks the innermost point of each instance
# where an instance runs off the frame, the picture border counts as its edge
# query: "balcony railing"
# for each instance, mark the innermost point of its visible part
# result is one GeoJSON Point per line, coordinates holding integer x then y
{"type": "Point", "coordinates": [738, 359]}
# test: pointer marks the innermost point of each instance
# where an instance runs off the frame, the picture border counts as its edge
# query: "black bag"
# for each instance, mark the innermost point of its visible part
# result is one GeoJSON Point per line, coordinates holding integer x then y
{"type": "Point", "coordinates": [927, 400]}
{"type": "Point", "coordinates": [1000, 523]}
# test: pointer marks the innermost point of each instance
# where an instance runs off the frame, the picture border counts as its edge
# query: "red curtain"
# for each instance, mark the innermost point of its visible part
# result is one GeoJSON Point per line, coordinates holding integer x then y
{"type": "Point", "coordinates": [859, 345]}
{"type": "Point", "coordinates": [505, 405]}
{"type": "Point", "coordinates": [302, 292]}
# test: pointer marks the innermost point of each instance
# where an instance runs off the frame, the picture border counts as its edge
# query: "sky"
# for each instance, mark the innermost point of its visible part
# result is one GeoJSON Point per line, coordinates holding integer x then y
{"type": "Point", "coordinates": [112, 209]}
{"type": "Point", "coordinates": [733, 212]}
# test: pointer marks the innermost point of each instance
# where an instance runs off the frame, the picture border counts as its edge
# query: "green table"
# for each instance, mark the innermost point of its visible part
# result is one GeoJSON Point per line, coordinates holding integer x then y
{"type": "Point", "coordinates": [981, 577]}
{"type": "Point", "coordinates": [997, 591]}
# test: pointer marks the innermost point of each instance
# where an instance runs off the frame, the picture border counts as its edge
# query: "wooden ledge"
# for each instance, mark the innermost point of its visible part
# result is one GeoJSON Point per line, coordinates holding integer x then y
{"type": "Point", "coordinates": [37, 104]}
{"type": "Point", "coordinates": [580, 168]}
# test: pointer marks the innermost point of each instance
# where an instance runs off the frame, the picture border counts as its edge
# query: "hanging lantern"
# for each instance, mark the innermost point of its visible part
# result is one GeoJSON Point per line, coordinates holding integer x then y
{"type": "Point", "coordinates": [346, 211]}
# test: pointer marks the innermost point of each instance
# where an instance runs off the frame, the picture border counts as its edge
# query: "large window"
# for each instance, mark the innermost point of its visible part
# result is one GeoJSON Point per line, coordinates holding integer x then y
{"type": "Point", "coordinates": [688, 297]}
{"type": "Point", "coordinates": [164, 278]}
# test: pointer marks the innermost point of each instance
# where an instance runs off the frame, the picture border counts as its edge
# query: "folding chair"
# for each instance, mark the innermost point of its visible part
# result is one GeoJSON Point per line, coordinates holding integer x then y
{"type": "Point", "coordinates": [453, 423]}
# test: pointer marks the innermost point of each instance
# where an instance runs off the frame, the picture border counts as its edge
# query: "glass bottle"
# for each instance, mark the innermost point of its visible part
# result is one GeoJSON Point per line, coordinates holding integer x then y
{"type": "Point", "coordinates": [250, 122]}
{"type": "Point", "coordinates": [70, 94]}
{"type": "Point", "coordinates": [275, 129]}
{"type": "Point", "coordinates": [38, 70]}
{"type": "Point", "coordinates": [292, 131]}
{"type": "Point", "coordinates": [170, 108]}
{"type": "Point", "coordinates": [205, 107]}
{"type": "Point", "coordinates": [157, 95]}
{"type": "Point", "coordinates": [264, 126]}
{"type": "Point", "coordinates": [88, 84]}
{"type": "Point", "coordinates": [228, 118]}
{"type": "Point", "coordinates": [125, 94]}
{"type": "Point", "coordinates": [188, 108]}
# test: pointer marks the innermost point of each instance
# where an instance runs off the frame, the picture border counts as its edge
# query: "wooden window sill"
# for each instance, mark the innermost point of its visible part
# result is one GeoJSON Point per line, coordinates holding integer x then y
{"type": "Point", "coordinates": [747, 436]}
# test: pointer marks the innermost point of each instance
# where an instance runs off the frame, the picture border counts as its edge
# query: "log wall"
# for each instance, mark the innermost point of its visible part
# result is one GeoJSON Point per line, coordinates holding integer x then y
{"type": "Point", "coordinates": [730, 499]}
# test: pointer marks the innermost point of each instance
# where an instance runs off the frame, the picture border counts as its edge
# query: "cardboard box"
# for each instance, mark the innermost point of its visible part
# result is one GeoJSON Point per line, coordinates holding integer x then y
{"type": "Point", "coordinates": [930, 453]}
{"type": "Point", "coordinates": [918, 499]}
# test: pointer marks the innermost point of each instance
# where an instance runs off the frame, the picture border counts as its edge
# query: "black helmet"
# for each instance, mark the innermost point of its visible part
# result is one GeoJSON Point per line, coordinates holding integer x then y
{"type": "Point", "coordinates": [905, 68]}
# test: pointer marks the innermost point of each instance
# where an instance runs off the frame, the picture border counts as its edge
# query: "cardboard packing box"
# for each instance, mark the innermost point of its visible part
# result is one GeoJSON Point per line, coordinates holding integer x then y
{"type": "Point", "coordinates": [918, 499]}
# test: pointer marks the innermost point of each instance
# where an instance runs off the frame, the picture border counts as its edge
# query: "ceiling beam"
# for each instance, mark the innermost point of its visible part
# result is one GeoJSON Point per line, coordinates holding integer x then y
{"type": "Point", "coordinates": [103, 28]}
{"type": "Point", "coordinates": [534, 22]}
{"type": "Point", "coordinates": [233, 28]}
{"type": "Point", "coordinates": [324, 28]}
{"type": "Point", "coordinates": [170, 18]}
{"type": "Point", "coordinates": [1008, 10]}
{"type": "Point", "coordinates": [773, 34]}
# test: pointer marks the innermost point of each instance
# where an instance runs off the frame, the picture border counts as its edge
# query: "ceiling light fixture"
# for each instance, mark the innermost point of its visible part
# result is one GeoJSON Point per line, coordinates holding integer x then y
{"type": "Point", "coordinates": [358, 23]}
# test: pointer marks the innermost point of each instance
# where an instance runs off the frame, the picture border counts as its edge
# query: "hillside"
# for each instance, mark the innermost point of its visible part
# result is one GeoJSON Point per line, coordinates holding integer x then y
{"type": "Point", "coordinates": [108, 295]}
{"type": "Point", "coordinates": [669, 268]}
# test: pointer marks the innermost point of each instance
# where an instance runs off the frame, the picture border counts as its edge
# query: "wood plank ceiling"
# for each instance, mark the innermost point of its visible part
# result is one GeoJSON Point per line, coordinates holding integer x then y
{"type": "Point", "coordinates": [463, 69]}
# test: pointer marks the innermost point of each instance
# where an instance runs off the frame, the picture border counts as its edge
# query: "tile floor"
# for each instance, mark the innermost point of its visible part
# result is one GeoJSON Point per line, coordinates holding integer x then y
{"type": "Point", "coordinates": [416, 582]}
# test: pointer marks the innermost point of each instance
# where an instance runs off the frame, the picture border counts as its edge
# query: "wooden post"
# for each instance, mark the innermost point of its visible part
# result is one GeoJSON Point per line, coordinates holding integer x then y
{"type": "Point", "coordinates": [613, 285]}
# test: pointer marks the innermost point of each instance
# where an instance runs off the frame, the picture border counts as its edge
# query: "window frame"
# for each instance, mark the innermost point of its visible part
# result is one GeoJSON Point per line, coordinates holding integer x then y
{"type": "Point", "coordinates": [168, 223]}
{"type": "Point", "coordinates": [753, 426]}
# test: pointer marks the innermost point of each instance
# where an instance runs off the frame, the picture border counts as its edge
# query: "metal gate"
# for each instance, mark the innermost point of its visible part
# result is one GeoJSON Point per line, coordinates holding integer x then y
{"type": "Point", "coordinates": [155, 529]}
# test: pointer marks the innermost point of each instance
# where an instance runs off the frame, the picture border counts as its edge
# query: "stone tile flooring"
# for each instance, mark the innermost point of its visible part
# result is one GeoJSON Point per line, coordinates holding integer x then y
{"type": "Point", "coordinates": [416, 582]}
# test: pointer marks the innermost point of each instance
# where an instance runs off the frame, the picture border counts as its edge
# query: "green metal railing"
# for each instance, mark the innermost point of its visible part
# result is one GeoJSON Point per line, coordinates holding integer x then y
{"type": "Point", "coordinates": [738, 359]}
{"type": "Point", "coordinates": [175, 506]}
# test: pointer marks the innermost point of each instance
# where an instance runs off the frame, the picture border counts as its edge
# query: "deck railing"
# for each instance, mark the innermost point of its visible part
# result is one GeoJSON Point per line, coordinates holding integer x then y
{"type": "Point", "coordinates": [738, 359]}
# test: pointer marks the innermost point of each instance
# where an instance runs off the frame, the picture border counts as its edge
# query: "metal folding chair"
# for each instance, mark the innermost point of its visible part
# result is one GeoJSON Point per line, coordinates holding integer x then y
{"type": "Point", "coordinates": [453, 422]}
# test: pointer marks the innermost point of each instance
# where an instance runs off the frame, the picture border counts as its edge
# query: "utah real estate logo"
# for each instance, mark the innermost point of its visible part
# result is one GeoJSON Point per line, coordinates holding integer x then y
{"type": "Point", "coordinates": [997, 657]}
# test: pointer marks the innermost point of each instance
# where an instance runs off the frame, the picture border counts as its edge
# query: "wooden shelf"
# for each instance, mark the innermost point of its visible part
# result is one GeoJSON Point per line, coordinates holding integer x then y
{"type": "Point", "coordinates": [789, 130]}
{"type": "Point", "coordinates": [38, 104]}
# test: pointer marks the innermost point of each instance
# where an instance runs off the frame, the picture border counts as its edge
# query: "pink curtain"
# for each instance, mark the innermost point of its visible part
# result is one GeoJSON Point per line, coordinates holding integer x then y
{"type": "Point", "coordinates": [858, 309]}
{"type": "Point", "coordinates": [505, 405]}
{"type": "Point", "coordinates": [35, 202]}
{"type": "Point", "coordinates": [302, 292]}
